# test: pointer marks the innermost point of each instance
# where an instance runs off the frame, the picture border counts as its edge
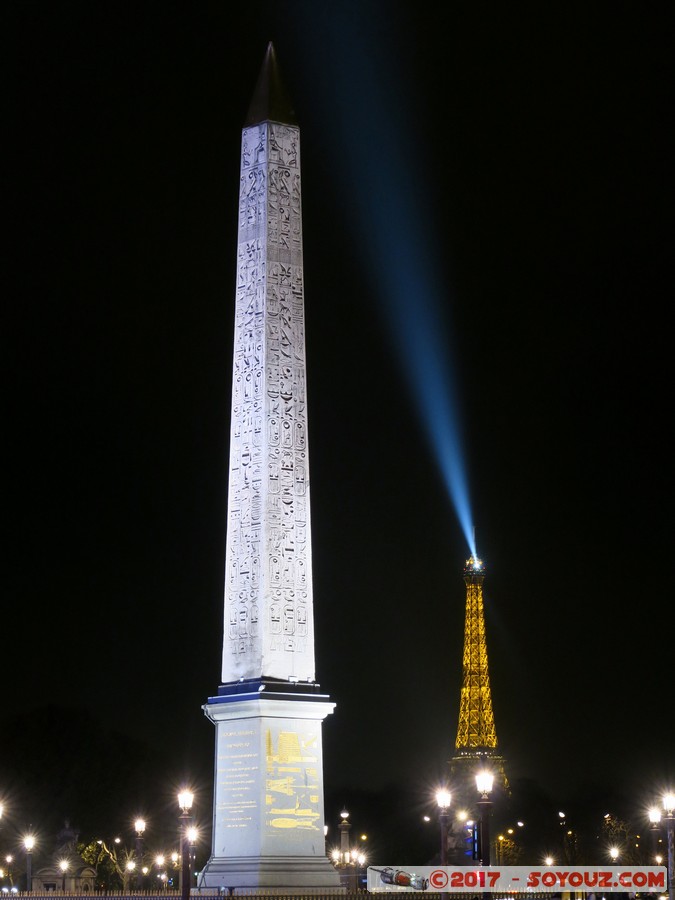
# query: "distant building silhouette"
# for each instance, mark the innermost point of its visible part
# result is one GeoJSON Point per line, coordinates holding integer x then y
{"type": "Point", "coordinates": [77, 878]}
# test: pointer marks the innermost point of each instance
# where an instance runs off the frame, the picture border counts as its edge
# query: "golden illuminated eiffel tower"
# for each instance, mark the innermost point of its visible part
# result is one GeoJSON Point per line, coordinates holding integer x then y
{"type": "Point", "coordinates": [476, 743]}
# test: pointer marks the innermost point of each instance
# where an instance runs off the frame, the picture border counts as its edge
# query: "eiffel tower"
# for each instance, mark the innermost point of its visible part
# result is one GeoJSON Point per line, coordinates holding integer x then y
{"type": "Point", "coordinates": [476, 744]}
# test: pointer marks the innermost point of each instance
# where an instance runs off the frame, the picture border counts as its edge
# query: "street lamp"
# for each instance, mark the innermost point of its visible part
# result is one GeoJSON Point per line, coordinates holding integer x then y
{"type": "Point", "coordinates": [344, 828]}
{"type": "Point", "coordinates": [139, 827]}
{"type": "Point", "coordinates": [669, 818]}
{"type": "Point", "coordinates": [129, 869]}
{"type": "Point", "coordinates": [654, 822]}
{"type": "Point", "coordinates": [29, 843]}
{"type": "Point", "coordinates": [484, 782]}
{"type": "Point", "coordinates": [348, 860]}
{"type": "Point", "coordinates": [443, 798]}
{"type": "Point", "coordinates": [159, 862]}
{"type": "Point", "coordinates": [63, 865]}
{"type": "Point", "coordinates": [8, 859]}
{"type": "Point", "coordinates": [185, 800]}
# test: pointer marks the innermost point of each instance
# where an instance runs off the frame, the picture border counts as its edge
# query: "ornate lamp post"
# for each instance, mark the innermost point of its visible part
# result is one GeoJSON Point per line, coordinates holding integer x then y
{"type": "Point", "coordinates": [29, 843]}
{"type": "Point", "coordinates": [349, 861]}
{"type": "Point", "coordinates": [185, 800]}
{"type": "Point", "coordinates": [443, 799]}
{"type": "Point", "coordinates": [345, 856]}
{"type": "Point", "coordinates": [484, 782]}
{"type": "Point", "coordinates": [344, 828]}
{"type": "Point", "coordinates": [669, 819]}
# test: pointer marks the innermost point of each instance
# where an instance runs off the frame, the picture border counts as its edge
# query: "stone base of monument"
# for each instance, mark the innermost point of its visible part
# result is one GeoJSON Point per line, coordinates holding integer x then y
{"type": "Point", "coordinates": [268, 812]}
{"type": "Point", "coordinates": [287, 875]}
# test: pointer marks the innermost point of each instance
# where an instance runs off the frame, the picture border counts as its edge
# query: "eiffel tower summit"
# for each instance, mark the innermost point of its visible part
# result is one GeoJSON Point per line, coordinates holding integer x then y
{"type": "Point", "coordinates": [268, 807]}
{"type": "Point", "coordinates": [476, 742]}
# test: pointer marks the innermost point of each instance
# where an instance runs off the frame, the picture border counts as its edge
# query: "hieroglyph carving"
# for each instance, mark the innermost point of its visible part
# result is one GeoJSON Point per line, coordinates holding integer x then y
{"type": "Point", "coordinates": [268, 583]}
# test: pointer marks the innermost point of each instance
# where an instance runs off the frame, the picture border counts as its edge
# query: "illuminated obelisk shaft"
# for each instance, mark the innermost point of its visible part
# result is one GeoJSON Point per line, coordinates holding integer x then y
{"type": "Point", "coordinates": [268, 820]}
{"type": "Point", "coordinates": [268, 581]}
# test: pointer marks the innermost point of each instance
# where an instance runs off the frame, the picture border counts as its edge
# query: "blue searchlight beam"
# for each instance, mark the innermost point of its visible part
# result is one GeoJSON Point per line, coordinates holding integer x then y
{"type": "Point", "coordinates": [385, 188]}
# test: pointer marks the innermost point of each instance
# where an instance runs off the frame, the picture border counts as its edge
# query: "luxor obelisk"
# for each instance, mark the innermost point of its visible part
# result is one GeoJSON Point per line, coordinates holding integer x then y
{"type": "Point", "coordinates": [268, 811]}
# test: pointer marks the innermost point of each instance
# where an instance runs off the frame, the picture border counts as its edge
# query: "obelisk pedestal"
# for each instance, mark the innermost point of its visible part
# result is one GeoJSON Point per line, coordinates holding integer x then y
{"type": "Point", "coordinates": [268, 803]}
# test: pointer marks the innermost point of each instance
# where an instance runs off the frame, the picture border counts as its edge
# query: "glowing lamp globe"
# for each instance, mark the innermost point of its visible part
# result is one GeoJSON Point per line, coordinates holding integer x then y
{"type": "Point", "coordinates": [484, 782]}
{"type": "Point", "coordinates": [185, 800]}
{"type": "Point", "coordinates": [443, 798]}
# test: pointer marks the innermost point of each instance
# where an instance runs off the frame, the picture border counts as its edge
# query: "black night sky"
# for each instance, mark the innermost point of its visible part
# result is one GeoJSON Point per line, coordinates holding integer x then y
{"type": "Point", "coordinates": [539, 142]}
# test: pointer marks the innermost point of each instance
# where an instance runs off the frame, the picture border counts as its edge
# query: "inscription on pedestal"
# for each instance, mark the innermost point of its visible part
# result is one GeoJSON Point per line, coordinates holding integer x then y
{"type": "Point", "coordinates": [237, 773]}
{"type": "Point", "coordinates": [293, 791]}
{"type": "Point", "coordinates": [269, 785]}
